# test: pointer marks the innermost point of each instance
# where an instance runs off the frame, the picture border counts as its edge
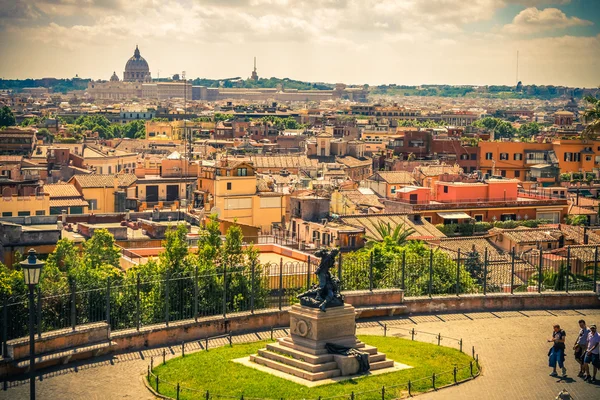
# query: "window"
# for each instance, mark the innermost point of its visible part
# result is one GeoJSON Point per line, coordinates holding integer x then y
{"type": "Point", "coordinates": [588, 158]}
{"type": "Point", "coordinates": [503, 173]}
{"type": "Point", "coordinates": [428, 219]}
{"type": "Point", "coordinates": [549, 245]}
{"type": "Point", "coordinates": [24, 213]}
{"type": "Point", "coordinates": [478, 217]}
{"type": "Point", "coordinates": [489, 156]}
{"type": "Point", "coordinates": [238, 204]}
{"type": "Point", "coordinates": [270, 202]}
{"type": "Point", "coordinates": [7, 214]}
{"type": "Point", "coordinates": [228, 185]}
{"type": "Point", "coordinates": [473, 156]}
{"type": "Point", "coordinates": [517, 174]}
{"type": "Point", "coordinates": [445, 189]}
{"type": "Point", "coordinates": [504, 156]}
{"type": "Point", "coordinates": [40, 212]}
{"type": "Point", "coordinates": [518, 156]}
{"type": "Point", "coordinates": [242, 172]}
{"type": "Point", "coordinates": [575, 157]}
{"type": "Point", "coordinates": [93, 204]}
{"type": "Point", "coordinates": [393, 190]}
{"type": "Point", "coordinates": [489, 172]}
{"type": "Point", "coordinates": [464, 156]}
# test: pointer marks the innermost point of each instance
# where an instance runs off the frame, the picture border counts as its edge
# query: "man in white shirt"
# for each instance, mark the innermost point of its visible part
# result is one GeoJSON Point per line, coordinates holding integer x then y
{"type": "Point", "coordinates": [580, 345]}
{"type": "Point", "coordinates": [592, 355]}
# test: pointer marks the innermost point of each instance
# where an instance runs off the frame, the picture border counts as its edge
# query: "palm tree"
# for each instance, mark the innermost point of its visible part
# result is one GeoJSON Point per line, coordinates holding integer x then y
{"type": "Point", "coordinates": [591, 115]}
{"type": "Point", "coordinates": [399, 234]}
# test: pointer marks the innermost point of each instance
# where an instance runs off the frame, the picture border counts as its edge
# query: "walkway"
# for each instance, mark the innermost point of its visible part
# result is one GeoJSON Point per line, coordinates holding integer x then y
{"type": "Point", "coordinates": [511, 346]}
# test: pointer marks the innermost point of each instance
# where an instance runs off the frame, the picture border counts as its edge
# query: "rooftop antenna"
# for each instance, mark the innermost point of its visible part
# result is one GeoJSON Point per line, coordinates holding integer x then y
{"type": "Point", "coordinates": [517, 82]}
{"type": "Point", "coordinates": [185, 140]}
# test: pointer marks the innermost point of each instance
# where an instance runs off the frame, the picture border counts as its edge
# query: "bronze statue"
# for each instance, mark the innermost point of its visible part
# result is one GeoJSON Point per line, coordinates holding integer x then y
{"type": "Point", "coordinates": [327, 292]}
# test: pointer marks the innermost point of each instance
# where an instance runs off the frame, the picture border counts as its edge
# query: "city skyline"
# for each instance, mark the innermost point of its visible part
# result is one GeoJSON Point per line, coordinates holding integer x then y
{"type": "Point", "coordinates": [382, 42]}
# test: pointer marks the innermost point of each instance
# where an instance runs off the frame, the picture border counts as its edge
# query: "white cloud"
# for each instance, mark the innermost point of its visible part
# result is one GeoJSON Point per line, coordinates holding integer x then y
{"type": "Point", "coordinates": [533, 20]}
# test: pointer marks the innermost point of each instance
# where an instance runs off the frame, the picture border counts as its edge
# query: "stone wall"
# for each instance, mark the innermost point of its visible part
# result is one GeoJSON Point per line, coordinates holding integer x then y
{"type": "Point", "coordinates": [502, 302]}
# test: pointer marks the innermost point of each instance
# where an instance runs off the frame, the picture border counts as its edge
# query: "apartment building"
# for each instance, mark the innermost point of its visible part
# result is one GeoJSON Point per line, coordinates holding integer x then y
{"type": "Point", "coordinates": [518, 159]}
{"type": "Point", "coordinates": [232, 191]}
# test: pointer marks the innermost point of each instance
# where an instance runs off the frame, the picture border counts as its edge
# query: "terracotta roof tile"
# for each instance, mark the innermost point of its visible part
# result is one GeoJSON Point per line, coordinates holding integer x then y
{"type": "Point", "coordinates": [96, 180]}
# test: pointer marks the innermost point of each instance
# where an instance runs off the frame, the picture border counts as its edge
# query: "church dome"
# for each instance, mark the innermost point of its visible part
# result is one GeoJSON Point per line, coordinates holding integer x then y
{"type": "Point", "coordinates": [136, 68]}
{"type": "Point", "coordinates": [114, 77]}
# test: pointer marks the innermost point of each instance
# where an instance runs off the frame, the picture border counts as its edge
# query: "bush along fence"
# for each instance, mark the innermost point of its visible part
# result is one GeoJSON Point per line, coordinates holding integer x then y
{"type": "Point", "coordinates": [453, 375]}
{"type": "Point", "coordinates": [148, 299]}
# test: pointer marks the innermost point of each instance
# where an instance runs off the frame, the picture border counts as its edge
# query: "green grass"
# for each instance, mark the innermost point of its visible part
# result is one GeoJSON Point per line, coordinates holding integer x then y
{"type": "Point", "coordinates": [214, 371]}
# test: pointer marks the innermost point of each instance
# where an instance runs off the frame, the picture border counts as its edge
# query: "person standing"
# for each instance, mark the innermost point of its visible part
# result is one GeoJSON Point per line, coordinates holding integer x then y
{"type": "Point", "coordinates": [557, 351]}
{"type": "Point", "coordinates": [592, 355]}
{"type": "Point", "coordinates": [580, 346]}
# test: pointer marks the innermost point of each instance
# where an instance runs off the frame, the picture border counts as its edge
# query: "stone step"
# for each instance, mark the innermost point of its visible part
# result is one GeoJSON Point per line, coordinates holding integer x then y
{"type": "Point", "coordinates": [373, 358]}
{"type": "Point", "coordinates": [381, 364]}
{"type": "Point", "coordinates": [298, 354]}
{"type": "Point", "coordinates": [288, 343]}
{"type": "Point", "coordinates": [303, 365]}
{"type": "Point", "coordinates": [368, 349]}
{"type": "Point", "coordinates": [288, 369]}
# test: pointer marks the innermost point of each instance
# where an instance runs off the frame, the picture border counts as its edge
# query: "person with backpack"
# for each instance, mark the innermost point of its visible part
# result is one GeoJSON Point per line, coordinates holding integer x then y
{"type": "Point", "coordinates": [557, 351]}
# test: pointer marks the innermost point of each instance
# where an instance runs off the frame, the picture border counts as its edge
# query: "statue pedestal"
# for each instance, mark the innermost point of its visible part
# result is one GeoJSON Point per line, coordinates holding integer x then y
{"type": "Point", "coordinates": [313, 328]}
{"type": "Point", "coordinates": [302, 355]}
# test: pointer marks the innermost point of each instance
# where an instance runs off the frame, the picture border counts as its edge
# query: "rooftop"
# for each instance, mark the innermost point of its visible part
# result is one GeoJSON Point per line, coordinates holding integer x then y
{"type": "Point", "coordinates": [97, 180]}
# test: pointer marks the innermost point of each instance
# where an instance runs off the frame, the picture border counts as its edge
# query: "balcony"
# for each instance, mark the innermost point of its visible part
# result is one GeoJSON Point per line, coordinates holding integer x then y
{"type": "Point", "coordinates": [524, 198]}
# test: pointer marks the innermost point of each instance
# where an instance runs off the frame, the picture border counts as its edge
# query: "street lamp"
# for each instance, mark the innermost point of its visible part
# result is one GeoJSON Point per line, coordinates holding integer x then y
{"type": "Point", "coordinates": [32, 269]}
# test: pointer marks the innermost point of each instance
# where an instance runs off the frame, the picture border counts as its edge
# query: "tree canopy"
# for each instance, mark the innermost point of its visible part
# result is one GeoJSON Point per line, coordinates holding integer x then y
{"type": "Point", "coordinates": [7, 117]}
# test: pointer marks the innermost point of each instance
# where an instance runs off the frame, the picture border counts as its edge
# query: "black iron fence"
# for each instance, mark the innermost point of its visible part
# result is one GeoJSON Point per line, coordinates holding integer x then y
{"type": "Point", "coordinates": [162, 299]}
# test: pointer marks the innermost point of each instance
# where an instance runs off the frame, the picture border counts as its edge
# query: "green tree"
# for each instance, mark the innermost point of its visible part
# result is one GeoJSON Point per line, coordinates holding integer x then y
{"type": "Point", "coordinates": [232, 253]}
{"type": "Point", "coordinates": [175, 249]}
{"type": "Point", "coordinates": [398, 235]}
{"type": "Point", "coordinates": [504, 130]}
{"type": "Point", "coordinates": [65, 256]}
{"type": "Point", "coordinates": [7, 117]}
{"type": "Point", "coordinates": [592, 117]}
{"type": "Point", "coordinates": [578, 220]}
{"type": "Point", "coordinates": [45, 135]}
{"type": "Point", "coordinates": [101, 250]}
{"type": "Point", "coordinates": [474, 266]}
{"type": "Point", "coordinates": [488, 123]}
{"type": "Point", "coordinates": [529, 129]}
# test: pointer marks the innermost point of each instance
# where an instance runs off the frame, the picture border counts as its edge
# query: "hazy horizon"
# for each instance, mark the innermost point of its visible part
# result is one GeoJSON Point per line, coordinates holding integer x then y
{"type": "Point", "coordinates": [410, 42]}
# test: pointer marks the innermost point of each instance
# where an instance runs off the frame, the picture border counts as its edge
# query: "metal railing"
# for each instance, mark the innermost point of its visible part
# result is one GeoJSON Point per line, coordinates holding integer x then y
{"type": "Point", "coordinates": [134, 301]}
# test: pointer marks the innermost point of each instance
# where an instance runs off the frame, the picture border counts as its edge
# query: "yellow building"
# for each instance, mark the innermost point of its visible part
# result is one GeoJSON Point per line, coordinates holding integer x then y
{"type": "Point", "coordinates": [105, 193]}
{"type": "Point", "coordinates": [106, 160]}
{"type": "Point", "coordinates": [232, 190]}
{"type": "Point", "coordinates": [25, 206]}
{"type": "Point", "coordinates": [177, 130]}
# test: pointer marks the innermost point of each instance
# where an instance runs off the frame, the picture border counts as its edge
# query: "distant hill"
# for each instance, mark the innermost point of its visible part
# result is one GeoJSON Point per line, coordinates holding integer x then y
{"type": "Point", "coordinates": [56, 85]}
{"type": "Point", "coordinates": [494, 91]}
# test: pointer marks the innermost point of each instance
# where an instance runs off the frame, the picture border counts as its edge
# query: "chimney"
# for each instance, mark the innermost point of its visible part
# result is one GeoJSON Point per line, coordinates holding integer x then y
{"type": "Point", "coordinates": [586, 237]}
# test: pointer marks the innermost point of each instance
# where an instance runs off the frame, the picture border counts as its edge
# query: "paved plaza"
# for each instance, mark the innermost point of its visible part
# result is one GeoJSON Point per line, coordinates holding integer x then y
{"type": "Point", "coordinates": [512, 349]}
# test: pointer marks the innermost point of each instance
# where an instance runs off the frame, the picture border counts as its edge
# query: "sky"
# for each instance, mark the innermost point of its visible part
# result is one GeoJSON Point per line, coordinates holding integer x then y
{"type": "Point", "coordinates": [406, 42]}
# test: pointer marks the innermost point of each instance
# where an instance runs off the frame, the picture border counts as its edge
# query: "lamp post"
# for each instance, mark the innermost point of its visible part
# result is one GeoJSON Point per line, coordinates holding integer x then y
{"type": "Point", "coordinates": [32, 269]}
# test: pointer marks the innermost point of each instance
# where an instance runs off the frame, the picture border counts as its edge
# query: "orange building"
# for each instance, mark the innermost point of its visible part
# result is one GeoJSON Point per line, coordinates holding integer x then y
{"type": "Point", "coordinates": [489, 200]}
{"type": "Point", "coordinates": [515, 159]}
